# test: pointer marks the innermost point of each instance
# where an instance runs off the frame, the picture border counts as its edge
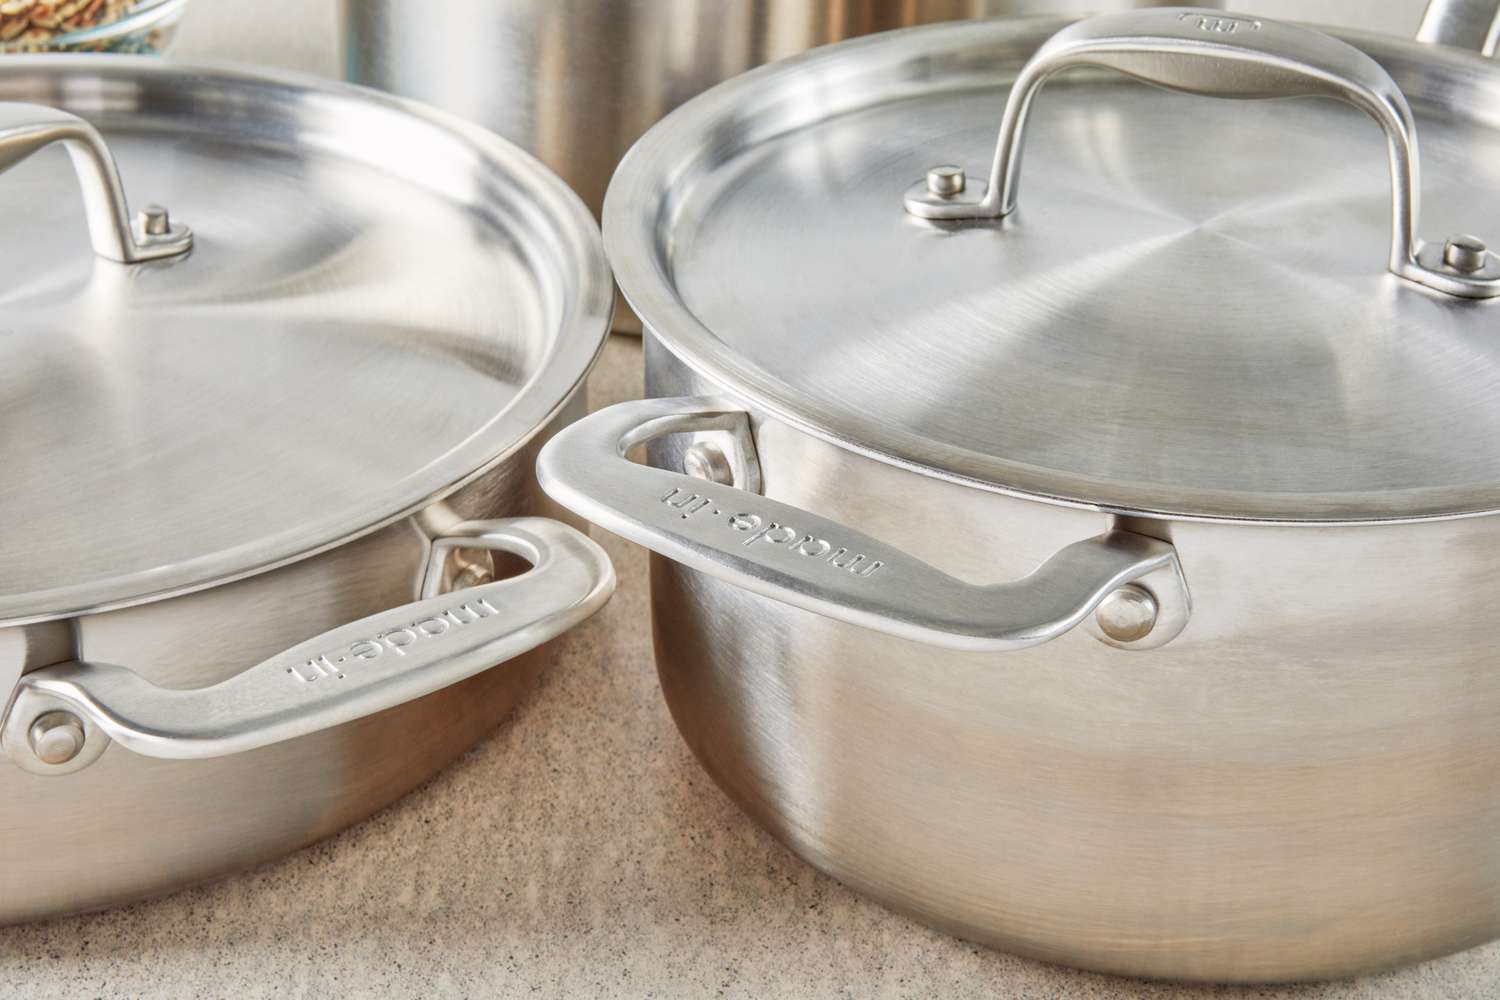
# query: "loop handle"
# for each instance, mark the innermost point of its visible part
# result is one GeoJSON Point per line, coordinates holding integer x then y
{"type": "Point", "coordinates": [1220, 55]}
{"type": "Point", "coordinates": [27, 128]}
{"type": "Point", "coordinates": [797, 557]}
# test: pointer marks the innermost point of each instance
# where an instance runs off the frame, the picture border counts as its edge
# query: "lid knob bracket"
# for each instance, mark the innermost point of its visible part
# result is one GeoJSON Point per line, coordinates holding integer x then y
{"type": "Point", "coordinates": [27, 128]}
{"type": "Point", "coordinates": [1214, 54]}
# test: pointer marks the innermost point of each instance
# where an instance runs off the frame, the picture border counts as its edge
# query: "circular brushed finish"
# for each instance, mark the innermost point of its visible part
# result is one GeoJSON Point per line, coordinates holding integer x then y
{"type": "Point", "coordinates": [380, 303]}
{"type": "Point", "coordinates": [1190, 313]}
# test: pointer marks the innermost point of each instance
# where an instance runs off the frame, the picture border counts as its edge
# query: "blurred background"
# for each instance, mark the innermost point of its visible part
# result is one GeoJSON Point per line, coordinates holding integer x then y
{"type": "Point", "coordinates": [297, 34]}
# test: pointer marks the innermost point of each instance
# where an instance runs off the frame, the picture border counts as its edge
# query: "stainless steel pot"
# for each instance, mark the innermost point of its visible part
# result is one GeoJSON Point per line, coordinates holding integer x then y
{"type": "Point", "coordinates": [268, 476]}
{"type": "Point", "coordinates": [1206, 403]}
{"type": "Point", "coordinates": [576, 82]}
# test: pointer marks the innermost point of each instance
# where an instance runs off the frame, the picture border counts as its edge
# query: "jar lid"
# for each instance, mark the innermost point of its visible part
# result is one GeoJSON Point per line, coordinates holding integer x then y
{"type": "Point", "coordinates": [1193, 307]}
{"type": "Point", "coordinates": [353, 306]}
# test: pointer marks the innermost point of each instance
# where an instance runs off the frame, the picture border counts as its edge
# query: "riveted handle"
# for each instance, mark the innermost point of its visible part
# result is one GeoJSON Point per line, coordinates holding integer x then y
{"type": "Point", "coordinates": [811, 562]}
{"type": "Point", "coordinates": [1221, 55]}
{"type": "Point", "coordinates": [63, 716]}
{"type": "Point", "coordinates": [27, 128]}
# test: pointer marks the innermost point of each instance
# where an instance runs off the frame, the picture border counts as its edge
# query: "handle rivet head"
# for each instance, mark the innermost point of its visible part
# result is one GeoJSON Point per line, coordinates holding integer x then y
{"type": "Point", "coordinates": [472, 575]}
{"type": "Point", "coordinates": [155, 221]}
{"type": "Point", "coordinates": [705, 460]}
{"type": "Point", "coordinates": [56, 737]}
{"type": "Point", "coordinates": [946, 181]}
{"type": "Point", "coordinates": [1466, 254]}
{"type": "Point", "coordinates": [1127, 614]}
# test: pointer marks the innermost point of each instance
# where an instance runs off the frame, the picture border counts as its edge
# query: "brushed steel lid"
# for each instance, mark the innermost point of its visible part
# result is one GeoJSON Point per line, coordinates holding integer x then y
{"type": "Point", "coordinates": [1191, 312]}
{"type": "Point", "coordinates": [380, 302]}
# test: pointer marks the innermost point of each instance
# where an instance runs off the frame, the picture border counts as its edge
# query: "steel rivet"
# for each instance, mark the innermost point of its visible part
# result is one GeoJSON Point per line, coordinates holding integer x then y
{"type": "Point", "coordinates": [706, 460]}
{"type": "Point", "coordinates": [946, 181]}
{"type": "Point", "coordinates": [155, 221]}
{"type": "Point", "coordinates": [56, 737]}
{"type": "Point", "coordinates": [1127, 614]}
{"type": "Point", "coordinates": [1466, 254]}
{"type": "Point", "coordinates": [472, 575]}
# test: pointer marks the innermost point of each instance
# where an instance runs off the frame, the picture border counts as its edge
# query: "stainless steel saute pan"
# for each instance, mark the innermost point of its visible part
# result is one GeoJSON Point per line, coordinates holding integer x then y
{"type": "Point", "coordinates": [1090, 557]}
{"type": "Point", "coordinates": [270, 517]}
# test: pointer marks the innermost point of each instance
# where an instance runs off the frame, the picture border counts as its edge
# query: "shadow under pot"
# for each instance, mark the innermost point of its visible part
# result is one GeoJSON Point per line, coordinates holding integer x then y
{"type": "Point", "coordinates": [275, 553]}
{"type": "Point", "coordinates": [1101, 576]}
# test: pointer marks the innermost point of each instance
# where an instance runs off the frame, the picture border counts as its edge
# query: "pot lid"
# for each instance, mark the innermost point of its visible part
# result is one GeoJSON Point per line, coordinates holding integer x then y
{"type": "Point", "coordinates": [1193, 311]}
{"type": "Point", "coordinates": [379, 303]}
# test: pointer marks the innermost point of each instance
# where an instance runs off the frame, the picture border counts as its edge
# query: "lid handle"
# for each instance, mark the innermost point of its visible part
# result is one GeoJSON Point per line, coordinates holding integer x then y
{"type": "Point", "coordinates": [1220, 55]}
{"type": "Point", "coordinates": [26, 128]}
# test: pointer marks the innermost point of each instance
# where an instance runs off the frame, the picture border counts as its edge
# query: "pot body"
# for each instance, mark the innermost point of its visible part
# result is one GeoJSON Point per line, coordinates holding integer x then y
{"type": "Point", "coordinates": [1300, 785]}
{"type": "Point", "coordinates": [130, 826]}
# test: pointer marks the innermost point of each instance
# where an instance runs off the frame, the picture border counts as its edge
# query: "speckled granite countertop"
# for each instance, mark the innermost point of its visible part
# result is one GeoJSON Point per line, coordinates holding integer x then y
{"type": "Point", "coordinates": [577, 852]}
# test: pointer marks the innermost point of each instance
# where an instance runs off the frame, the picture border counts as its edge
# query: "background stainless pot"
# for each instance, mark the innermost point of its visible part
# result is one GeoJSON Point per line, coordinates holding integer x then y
{"type": "Point", "coordinates": [576, 82]}
{"type": "Point", "coordinates": [270, 510]}
{"type": "Point", "coordinates": [1205, 394]}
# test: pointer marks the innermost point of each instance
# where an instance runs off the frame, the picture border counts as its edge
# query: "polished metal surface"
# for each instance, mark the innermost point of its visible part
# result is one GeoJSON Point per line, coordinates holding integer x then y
{"type": "Point", "coordinates": [223, 459]}
{"type": "Point", "coordinates": [706, 460]}
{"type": "Point", "coordinates": [27, 128]}
{"type": "Point", "coordinates": [1203, 52]}
{"type": "Point", "coordinates": [1468, 24]}
{"type": "Point", "coordinates": [380, 302]}
{"type": "Point", "coordinates": [1188, 315]}
{"type": "Point", "coordinates": [1128, 614]}
{"type": "Point", "coordinates": [946, 181]}
{"type": "Point", "coordinates": [1466, 253]}
{"type": "Point", "coordinates": [831, 568]}
{"type": "Point", "coordinates": [1300, 785]}
{"type": "Point", "coordinates": [56, 737]}
{"type": "Point", "coordinates": [128, 826]}
{"type": "Point", "coordinates": [347, 673]}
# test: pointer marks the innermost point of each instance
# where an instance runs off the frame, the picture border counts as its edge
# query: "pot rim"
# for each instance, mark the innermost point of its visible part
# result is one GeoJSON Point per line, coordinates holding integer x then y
{"type": "Point", "coordinates": [650, 184]}
{"type": "Point", "coordinates": [574, 348]}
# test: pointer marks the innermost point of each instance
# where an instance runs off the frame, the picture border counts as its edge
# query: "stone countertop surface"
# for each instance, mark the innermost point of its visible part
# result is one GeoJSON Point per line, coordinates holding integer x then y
{"type": "Point", "coordinates": [577, 852]}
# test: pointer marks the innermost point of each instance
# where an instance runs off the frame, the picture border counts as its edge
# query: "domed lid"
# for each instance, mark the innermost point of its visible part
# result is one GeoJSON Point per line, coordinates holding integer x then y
{"type": "Point", "coordinates": [1195, 307]}
{"type": "Point", "coordinates": [353, 306]}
